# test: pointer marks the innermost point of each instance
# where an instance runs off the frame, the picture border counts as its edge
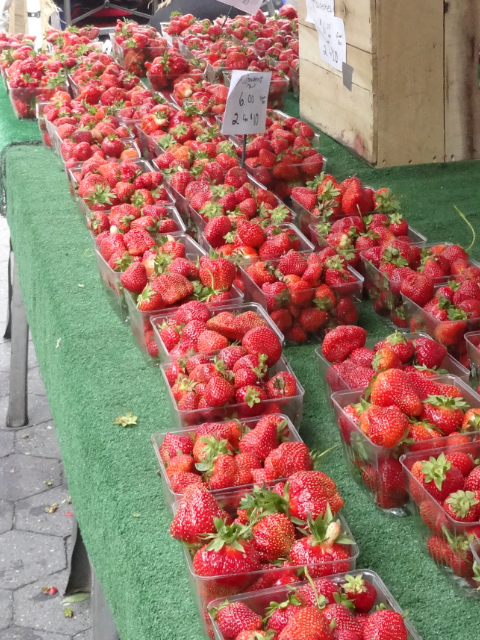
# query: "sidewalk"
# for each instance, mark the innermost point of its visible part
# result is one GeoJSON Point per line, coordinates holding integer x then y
{"type": "Point", "coordinates": [33, 543]}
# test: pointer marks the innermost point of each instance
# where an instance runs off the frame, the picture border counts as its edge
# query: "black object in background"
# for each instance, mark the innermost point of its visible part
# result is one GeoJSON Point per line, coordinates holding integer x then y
{"type": "Point", "coordinates": [201, 9]}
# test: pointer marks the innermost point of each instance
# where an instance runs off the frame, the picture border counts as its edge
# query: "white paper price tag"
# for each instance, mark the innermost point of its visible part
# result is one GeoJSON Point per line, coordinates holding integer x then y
{"type": "Point", "coordinates": [331, 38]}
{"type": "Point", "coordinates": [249, 6]}
{"type": "Point", "coordinates": [247, 100]}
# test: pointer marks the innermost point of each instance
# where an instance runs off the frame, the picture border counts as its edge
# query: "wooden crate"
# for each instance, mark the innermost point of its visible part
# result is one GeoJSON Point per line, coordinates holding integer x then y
{"type": "Point", "coordinates": [415, 96]}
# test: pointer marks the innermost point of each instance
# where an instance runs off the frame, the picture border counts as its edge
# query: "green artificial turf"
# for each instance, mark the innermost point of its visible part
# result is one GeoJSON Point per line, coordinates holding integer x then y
{"type": "Point", "coordinates": [93, 372]}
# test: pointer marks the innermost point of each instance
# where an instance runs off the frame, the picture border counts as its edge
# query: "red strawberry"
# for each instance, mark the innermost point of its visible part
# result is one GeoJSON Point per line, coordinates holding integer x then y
{"type": "Point", "coordinates": [341, 341]}
{"type": "Point", "coordinates": [288, 458]}
{"type": "Point", "coordinates": [418, 288]}
{"type": "Point", "coordinates": [429, 353]}
{"type": "Point", "coordinates": [400, 345]}
{"type": "Point", "coordinates": [385, 624]}
{"type": "Point", "coordinates": [263, 340]}
{"type": "Point", "coordinates": [234, 618]}
{"type": "Point", "coordinates": [273, 536]}
{"type": "Point", "coordinates": [228, 553]}
{"type": "Point", "coordinates": [393, 387]}
{"type": "Point", "coordinates": [196, 515]}
{"type": "Point", "coordinates": [462, 506]}
{"type": "Point", "coordinates": [444, 412]}
{"type": "Point", "coordinates": [439, 477]}
{"type": "Point", "coordinates": [387, 427]}
{"type": "Point", "coordinates": [282, 385]}
{"type": "Point", "coordinates": [324, 546]}
{"type": "Point", "coordinates": [173, 287]}
{"type": "Point", "coordinates": [311, 492]}
{"type": "Point", "coordinates": [361, 592]}
{"type": "Point", "coordinates": [218, 392]}
{"type": "Point", "coordinates": [134, 278]}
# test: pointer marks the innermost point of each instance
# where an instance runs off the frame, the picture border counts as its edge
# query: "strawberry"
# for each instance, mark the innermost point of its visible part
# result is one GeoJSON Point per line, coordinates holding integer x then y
{"type": "Point", "coordinates": [323, 546]}
{"type": "Point", "coordinates": [462, 506]}
{"type": "Point", "coordinates": [263, 340]}
{"type": "Point", "coordinates": [472, 483]}
{"type": "Point", "coordinates": [234, 618]}
{"type": "Point", "coordinates": [273, 536]}
{"type": "Point", "coordinates": [217, 273]}
{"type": "Point", "coordinates": [218, 392]}
{"type": "Point", "coordinates": [342, 619]}
{"type": "Point", "coordinates": [400, 345]}
{"type": "Point", "coordinates": [341, 341]}
{"type": "Point", "coordinates": [263, 438]}
{"type": "Point", "coordinates": [150, 300]}
{"type": "Point", "coordinates": [444, 412]}
{"type": "Point", "coordinates": [439, 477]}
{"type": "Point", "coordinates": [134, 278]}
{"type": "Point", "coordinates": [361, 592]}
{"type": "Point", "coordinates": [309, 623]}
{"type": "Point", "coordinates": [228, 553]}
{"type": "Point", "coordinates": [196, 515]}
{"type": "Point", "coordinates": [393, 387]}
{"type": "Point", "coordinates": [281, 385]}
{"type": "Point", "coordinates": [173, 287]}
{"type": "Point", "coordinates": [385, 359]}
{"type": "Point", "coordinates": [385, 625]}
{"type": "Point", "coordinates": [418, 288]}
{"type": "Point", "coordinates": [429, 353]}
{"type": "Point", "coordinates": [312, 492]}
{"type": "Point", "coordinates": [288, 458]}
{"type": "Point", "coordinates": [387, 427]}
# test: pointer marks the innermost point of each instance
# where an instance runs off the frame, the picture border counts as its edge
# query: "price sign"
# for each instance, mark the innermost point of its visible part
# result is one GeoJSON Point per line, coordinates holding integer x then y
{"type": "Point", "coordinates": [249, 6]}
{"type": "Point", "coordinates": [247, 99]}
{"type": "Point", "coordinates": [331, 38]}
{"type": "Point", "coordinates": [319, 6]}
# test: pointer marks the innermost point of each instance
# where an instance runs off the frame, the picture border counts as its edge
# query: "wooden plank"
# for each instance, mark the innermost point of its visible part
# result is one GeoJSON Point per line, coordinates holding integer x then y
{"type": "Point", "coordinates": [409, 68]}
{"type": "Point", "coordinates": [18, 21]}
{"type": "Point", "coordinates": [344, 115]}
{"type": "Point", "coordinates": [462, 93]}
{"type": "Point", "coordinates": [357, 15]}
{"type": "Point", "coordinates": [361, 61]}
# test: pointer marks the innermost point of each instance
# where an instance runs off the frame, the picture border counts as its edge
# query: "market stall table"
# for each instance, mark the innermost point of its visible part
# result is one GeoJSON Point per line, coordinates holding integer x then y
{"type": "Point", "coordinates": [94, 372]}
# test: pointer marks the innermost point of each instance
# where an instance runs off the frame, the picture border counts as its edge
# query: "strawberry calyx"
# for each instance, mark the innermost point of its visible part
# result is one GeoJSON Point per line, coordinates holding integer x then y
{"type": "Point", "coordinates": [213, 448]}
{"type": "Point", "coordinates": [225, 535]}
{"type": "Point", "coordinates": [456, 314]}
{"type": "Point", "coordinates": [446, 402]}
{"type": "Point", "coordinates": [423, 367]}
{"type": "Point", "coordinates": [396, 338]}
{"type": "Point", "coordinates": [262, 502]}
{"type": "Point", "coordinates": [354, 584]}
{"type": "Point", "coordinates": [325, 531]}
{"type": "Point", "coordinates": [435, 470]}
{"type": "Point", "coordinates": [461, 502]}
{"type": "Point", "coordinates": [275, 606]}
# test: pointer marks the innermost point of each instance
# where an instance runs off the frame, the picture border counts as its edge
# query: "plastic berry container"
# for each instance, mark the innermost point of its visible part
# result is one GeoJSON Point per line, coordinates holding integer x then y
{"type": "Point", "coordinates": [42, 124]}
{"type": "Point", "coordinates": [259, 601]}
{"type": "Point", "coordinates": [368, 463]}
{"type": "Point", "coordinates": [171, 496]}
{"type": "Point", "coordinates": [208, 589]}
{"type": "Point", "coordinates": [321, 242]}
{"type": "Point", "coordinates": [292, 406]}
{"type": "Point", "coordinates": [73, 174]}
{"type": "Point", "coordinates": [294, 75]}
{"type": "Point", "coordinates": [333, 381]}
{"type": "Point", "coordinates": [113, 286]}
{"type": "Point", "coordinates": [347, 290]}
{"type": "Point", "coordinates": [305, 245]}
{"type": "Point", "coordinates": [387, 302]}
{"type": "Point", "coordinates": [450, 333]}
{"type": "Point", "coordinates": [436, 529]}
{"type": "Point", "coordinates": [236, 308]}
{"type": "Point", "coordinates": [473, 351]}
{"type": "Point", "coordinates": [140, 320]}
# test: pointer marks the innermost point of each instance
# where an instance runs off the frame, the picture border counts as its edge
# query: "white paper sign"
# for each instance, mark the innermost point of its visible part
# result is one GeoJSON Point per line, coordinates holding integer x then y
{"type": "Point", "coordinates": [318, 6]}
{"type": "Point", "coordinates": [246, 108]}
{"type": "Point", "coordinates": [249, 6]}
{"type": "Point", "coordinates": [331, 39]}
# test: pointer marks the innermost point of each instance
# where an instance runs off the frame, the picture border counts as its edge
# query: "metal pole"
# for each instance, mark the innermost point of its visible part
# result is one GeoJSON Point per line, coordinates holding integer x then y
{"type": "Point", "coordinates": [244, 150]}
{"type": "Point", "coordinates": [226, 17]}
{"type": "Point", "coordinates": [17, 405]}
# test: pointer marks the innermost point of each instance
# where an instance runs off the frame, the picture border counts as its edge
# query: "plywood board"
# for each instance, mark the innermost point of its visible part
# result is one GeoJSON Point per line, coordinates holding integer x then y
{"type": "Point", "coordinates": [344, 115]}
{"type": "Point", "coordinates": [462, 93]}
{"type": "Point", "coordinates": [409, 78]}
{"type": "Point", "coordinates": [361, 61]}
{"type": "Point", "coordinates": [357, 15]}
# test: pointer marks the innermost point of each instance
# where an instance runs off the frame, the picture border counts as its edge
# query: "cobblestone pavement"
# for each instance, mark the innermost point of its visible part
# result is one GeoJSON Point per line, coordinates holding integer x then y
{"type": "Point", "coordinates": [33, 543]}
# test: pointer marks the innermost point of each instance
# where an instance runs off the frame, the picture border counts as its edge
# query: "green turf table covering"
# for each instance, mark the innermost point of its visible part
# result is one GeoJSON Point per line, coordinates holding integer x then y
{"type": "Point", "coordinates": [94, 372]}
